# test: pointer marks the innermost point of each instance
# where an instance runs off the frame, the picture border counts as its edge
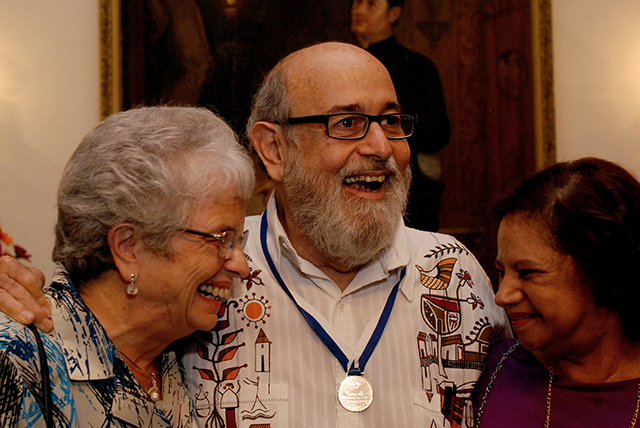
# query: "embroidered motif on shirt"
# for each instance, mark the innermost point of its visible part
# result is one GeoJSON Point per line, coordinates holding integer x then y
{"type": "Point", "coordinates": [254, 310]}
{"type": "Point", "coordinates": [253, 278]}
{"type": "Point", "coordinates": [220, 352]}
{"type": "Point", "coordinates": [217, 348]}
{"type": "Point", "coordinates": [258, 409]}
{"type": "Point", "coordinates": [449, 344]}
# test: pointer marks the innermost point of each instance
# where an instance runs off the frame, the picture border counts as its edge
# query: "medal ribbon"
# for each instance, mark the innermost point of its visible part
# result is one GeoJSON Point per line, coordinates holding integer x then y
{"type": "Point", "coordinates": [355, 369]}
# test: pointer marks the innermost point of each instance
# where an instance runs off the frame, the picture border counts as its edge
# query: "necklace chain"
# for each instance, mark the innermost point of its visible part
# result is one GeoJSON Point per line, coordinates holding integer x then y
{"type": "Point", "coordinates": [154, 391]}
{"type": "Point", "coordinates": [491, 380]}
{"type": "Point", "coordinates": [549, 386]}
{"type": "Point", "coordinates": [547, 414]}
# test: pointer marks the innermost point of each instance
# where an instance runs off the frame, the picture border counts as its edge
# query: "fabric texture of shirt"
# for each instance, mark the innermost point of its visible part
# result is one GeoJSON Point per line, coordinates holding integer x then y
{"type": "Point", "coordinates": [518, 396]}
{"type": "Point", "coordinates": [263, 366]}
{"type": "Point", "coordinates": [91, 385]}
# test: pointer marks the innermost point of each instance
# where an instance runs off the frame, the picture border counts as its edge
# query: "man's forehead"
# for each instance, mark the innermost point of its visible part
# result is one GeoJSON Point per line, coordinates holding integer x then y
{"type": "Point", "coordinates": [339, 78]}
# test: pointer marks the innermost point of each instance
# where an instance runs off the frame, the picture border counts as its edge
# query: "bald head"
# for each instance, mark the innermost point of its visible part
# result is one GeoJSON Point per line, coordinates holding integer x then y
{"type": "Point", "coordinates": [328, 58]}
{"type": "Point", "coordinates": [325, 78]}
{"type": "Point", "coordinates": [311, 75]}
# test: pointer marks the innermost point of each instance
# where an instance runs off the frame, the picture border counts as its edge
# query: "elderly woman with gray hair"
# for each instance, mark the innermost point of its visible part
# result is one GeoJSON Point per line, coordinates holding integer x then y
{"type": "Point", "coordinates": [150, 216]}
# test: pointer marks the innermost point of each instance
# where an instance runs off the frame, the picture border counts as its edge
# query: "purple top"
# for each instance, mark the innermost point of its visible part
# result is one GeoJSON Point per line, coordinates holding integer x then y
{"type": "Point", "coordinates": [519, 393]}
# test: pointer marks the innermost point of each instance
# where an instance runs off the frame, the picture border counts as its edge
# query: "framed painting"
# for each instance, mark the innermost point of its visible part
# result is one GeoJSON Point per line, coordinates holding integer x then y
{"type": "Point", "coordinates": [113, 81]}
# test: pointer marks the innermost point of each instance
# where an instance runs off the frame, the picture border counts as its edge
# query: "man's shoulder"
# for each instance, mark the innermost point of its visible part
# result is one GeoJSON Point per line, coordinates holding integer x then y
{"type": "Point", "coordinates": [425, 239]}
{"type": "Point", "coordinates": [442, 262]}
{"type": "Point", "coordinates": [419, 62]}
{"type": "Point", "coordinates": [414, 55]}
{"type": "Point", "coordinates": [437, 246]}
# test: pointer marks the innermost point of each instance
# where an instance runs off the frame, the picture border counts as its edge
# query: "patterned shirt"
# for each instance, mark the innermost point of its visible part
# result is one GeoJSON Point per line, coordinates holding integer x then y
{"type": "Point", "coordinates": [91, 385]}
{"type": "Point", "coordinates": [263, 366]}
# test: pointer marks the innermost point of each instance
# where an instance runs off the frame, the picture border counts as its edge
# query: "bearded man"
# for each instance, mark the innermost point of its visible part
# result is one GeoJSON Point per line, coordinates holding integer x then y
{"type": "Point", "coordinates": [348, 318]}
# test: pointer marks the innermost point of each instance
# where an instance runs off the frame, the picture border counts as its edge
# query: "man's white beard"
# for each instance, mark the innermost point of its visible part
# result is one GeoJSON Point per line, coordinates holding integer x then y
{"type": "Point", "coordinates": [346, 229]}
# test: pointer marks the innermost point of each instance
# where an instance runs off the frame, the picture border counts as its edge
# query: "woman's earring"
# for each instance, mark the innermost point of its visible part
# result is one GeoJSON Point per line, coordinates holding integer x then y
{"type": "Point", "coordinates": [132, 290]}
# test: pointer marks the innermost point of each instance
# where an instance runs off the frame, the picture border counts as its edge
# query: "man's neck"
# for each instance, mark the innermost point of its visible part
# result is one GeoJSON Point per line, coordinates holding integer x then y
{"type": "Point", "coordinates": [340, 275]}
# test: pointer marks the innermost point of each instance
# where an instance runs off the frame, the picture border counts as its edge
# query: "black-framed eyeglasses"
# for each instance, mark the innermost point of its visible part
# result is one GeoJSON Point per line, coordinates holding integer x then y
{"type": "Point", "coordinates": [228, 240]}
{"type": "Point", "coordinates": [354, 126]}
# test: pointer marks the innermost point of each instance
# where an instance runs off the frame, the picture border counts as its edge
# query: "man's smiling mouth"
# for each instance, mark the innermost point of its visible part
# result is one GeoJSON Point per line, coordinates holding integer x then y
{"type": "Point", "coordinates": [365, 183]}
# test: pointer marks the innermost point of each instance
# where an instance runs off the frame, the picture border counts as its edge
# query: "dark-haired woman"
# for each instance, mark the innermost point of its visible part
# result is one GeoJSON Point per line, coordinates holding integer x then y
{"type": "Point", "coordinates": [568, 252]}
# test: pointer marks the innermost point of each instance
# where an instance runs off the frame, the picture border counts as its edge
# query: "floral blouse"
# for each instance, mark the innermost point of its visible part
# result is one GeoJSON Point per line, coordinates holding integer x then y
{"type": "Point", "coordinates": [91, 385]}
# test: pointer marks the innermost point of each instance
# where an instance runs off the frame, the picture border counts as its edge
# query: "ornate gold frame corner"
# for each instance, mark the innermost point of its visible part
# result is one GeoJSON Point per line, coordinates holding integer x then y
{"type": "Point", "coordinates": [544, 114]}
{"type": "Point", "coordinates": [110, 58]}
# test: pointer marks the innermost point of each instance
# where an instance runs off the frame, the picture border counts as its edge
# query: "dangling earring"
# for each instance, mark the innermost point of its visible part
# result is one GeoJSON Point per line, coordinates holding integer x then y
{"type": "Point", "coordinates": [132, 290]}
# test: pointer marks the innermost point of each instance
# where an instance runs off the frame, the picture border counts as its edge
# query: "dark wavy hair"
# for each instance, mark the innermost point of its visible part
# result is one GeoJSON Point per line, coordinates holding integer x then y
{"type": "Point", "coordinates": [589, 209]}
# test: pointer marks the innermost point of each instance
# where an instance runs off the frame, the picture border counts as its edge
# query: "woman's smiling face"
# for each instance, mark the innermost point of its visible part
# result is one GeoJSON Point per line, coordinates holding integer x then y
{"type": "Point", "coordinates": [189, 288]}
{"type": "Point", "coordinates": [547, 297]}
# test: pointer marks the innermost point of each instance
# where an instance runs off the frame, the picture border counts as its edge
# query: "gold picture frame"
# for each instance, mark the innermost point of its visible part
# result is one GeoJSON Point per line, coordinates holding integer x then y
{"type": "Point", "coordinates": [544, 112]}
{"type": "Point", "coordinates": [110, 58]}
{"type": "Point", "coordinates": [544, 101]}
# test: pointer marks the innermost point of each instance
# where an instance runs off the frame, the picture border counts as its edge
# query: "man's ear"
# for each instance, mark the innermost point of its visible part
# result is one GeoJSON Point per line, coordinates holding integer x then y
{"type": "Point", "coordinates": [125, 244]}
{"type": "Point", "coordinates": [270, 144]}
{"type": "Point", "coordinates": [394, 14]}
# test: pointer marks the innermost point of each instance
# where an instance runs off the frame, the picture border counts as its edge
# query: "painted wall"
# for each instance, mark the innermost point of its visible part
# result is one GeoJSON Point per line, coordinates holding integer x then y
{"type": "Point", "coordinates": [49, 97]}
{"type": "Point", "coordinates": [597, 79]}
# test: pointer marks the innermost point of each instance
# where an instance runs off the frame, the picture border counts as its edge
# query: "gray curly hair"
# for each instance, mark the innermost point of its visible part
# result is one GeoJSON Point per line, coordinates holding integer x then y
{"type": "Point", "coordinates": [152, 167]}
